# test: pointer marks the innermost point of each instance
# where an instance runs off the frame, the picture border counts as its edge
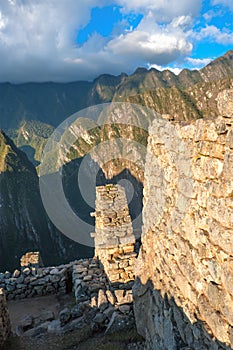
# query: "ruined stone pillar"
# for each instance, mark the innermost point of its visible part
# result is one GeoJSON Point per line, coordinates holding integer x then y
{"type": "Point", "coordinates": [5, 325]}
{"type": "Point", "coordinates": [114, 238]}
{"type": "Point", "coordinates": [31, 259]}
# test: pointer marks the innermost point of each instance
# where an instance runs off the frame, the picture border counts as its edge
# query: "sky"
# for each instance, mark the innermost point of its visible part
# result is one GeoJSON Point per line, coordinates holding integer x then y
{"type": "Point", "coordinates": [68, 40]}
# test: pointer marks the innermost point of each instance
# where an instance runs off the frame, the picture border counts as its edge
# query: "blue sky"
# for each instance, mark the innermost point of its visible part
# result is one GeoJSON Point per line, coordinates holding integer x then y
{"type": "Point", "coordinates": [67, 40]}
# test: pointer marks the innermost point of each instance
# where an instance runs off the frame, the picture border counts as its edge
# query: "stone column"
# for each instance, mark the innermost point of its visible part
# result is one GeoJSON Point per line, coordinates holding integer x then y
{"type": "Point", "coordinates": [31, 259]}
{"type": "Point", "coordinates": [114, 238]}
{"type": "Point", "coordinates": [5, 326]}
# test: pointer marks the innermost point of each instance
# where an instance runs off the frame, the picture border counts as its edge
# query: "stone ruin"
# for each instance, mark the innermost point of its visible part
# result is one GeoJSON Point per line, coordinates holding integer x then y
{"type": "Point", "coordinates": [31, 259]}
{"type": "Point", "coordinates": [102, 286]}
{"type": "Point", "coordinates": [183, 296]}
{"type": "Point", "coordinates": [114, 238]}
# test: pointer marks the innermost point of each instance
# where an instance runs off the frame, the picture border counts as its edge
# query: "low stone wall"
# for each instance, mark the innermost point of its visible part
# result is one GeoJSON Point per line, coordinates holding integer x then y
{"type": "Point", "coordinates": [114, 238]}
{"type": "Point", "coordinates": [90, 283]}
{"type": "Point", "coordinates": [100, 305]}
{"type": "Point", "coordinates": [184, 290]}
{"type": "Point", "coordinates": [5, 326]}
{"type": "Point", "coordinates": [30, 281]}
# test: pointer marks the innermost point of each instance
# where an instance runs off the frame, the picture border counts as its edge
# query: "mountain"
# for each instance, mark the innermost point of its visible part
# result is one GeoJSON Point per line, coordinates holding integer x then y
{"type": "Point", "coordinates": [30, 112]}
{"type": "Point", "coordinates": [31, 137]}
{"type": "Point", "coordinates": [51, 103]}
{"type": "Point", "coordinates": [220, 68]}
{"type": "Point", "coordinates": [196, 101]}
{"type": "Point", "coordinates": [24, 225]}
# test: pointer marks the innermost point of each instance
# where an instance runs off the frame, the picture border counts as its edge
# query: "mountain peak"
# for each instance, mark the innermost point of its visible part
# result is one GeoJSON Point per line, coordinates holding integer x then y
{"type": "Point", "coordinates": [220, 68]}
{"type": "Point", "coordinates": [140, 70]}
{"type": "Point", "coordinates": [229, 54]}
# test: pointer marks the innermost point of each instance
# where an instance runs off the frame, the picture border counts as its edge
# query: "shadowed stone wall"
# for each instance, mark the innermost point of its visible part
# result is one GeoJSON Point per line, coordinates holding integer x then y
{"type": "Point", "coordinates": [184, 289]}
{"type": "Point", "coordinates": [31, 281]}
{"type": "Point", "coordinates": [5, 326]}
{"type": "Point", "coordinates": [114, 238]}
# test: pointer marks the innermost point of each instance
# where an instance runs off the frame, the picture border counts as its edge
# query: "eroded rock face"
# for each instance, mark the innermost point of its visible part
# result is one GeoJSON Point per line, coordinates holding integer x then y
{"type": "Point", "coordinates": [183, 293]}
{"type": "Point", "coordinates": [225, 102]}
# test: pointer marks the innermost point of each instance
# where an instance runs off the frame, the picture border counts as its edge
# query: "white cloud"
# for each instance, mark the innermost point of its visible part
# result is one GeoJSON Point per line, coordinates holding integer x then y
{"type": "Point", "coordinates": [209, 15]}
{"type": "Point", "coordinates": [38, 38]}
{"type": "Point", "coordinates": [182, 22]}
{"type": "Point", "coordinates": [175, 70]}
{"type": "Point", "coordinates": [227, 3]}
{"type": "Point", "coordinates": [198, 62]}
{"type": "Point", "coordinates": [153, 43]}
{"type": "Point", "coordinates": [163, 9]}
{"type": "Point", "coordinates": [214, 34]}
{"type": "Point", "coordinates": [193, 64]}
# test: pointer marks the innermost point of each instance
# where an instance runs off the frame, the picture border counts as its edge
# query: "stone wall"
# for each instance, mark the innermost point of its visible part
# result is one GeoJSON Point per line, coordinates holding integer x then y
{"type": "Point", "coordinates": [30, 281]}
{"type": "Point", "coordinates": [100, 306]}
{"type": "Point", "coordinates": [111, 303]}
{"type": "Point", "coordinates": [184, 288]}
{"type": "Point", "coordinates": [5, 326]}
{"type": "Point", "coordinates": [114, 238]}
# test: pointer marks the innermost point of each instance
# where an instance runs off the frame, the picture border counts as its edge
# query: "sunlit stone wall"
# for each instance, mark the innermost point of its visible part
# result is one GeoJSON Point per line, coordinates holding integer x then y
{"type": "Point", "coordinates": [114, 238]}
{"type": "Point", "coordinates": [184, 289]}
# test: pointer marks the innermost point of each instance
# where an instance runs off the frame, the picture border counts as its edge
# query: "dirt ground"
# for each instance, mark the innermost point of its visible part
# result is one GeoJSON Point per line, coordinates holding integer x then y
{"type": "Point", "coordinates": [80, 339]}
{"type": "Point", "coordinates": [18, 309]}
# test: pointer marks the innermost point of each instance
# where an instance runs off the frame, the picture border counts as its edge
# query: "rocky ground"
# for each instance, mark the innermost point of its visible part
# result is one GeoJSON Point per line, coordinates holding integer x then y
{"type": "Point", "coordinates": [81, 340]}
{"type": "Point", "coordinates": [57, 322]}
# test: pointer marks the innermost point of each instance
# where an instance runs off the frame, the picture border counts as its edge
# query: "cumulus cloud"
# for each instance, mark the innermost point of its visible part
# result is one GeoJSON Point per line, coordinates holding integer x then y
{"type": "Point", "coordinates": [38, 38]}
{"type": "Point", "coordinates": [153, 43]}
{"type": "Point", "coordinates": [214, 34]}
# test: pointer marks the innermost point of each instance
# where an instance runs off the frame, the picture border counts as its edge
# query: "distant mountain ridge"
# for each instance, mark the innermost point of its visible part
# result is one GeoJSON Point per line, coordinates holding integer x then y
{"type": "Point", "coordinates": [51, 103]}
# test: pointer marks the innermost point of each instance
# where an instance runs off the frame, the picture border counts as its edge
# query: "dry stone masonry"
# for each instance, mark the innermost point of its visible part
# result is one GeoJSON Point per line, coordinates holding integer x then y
{"type": "Point", "coordinates": [31, 259]}
{"type": "Point", "coordinates": [30, 282]}
{"type": "Point", "coordinates": [5, 325]}
{"type": "Point", "coordinates": [184, 288]}
{"type": "Point", "coordinates": [110, 304]}
{"type": "Point", "coordinates": [114, 238]}
{"type": "Point", "coordinates": [100, 306]}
